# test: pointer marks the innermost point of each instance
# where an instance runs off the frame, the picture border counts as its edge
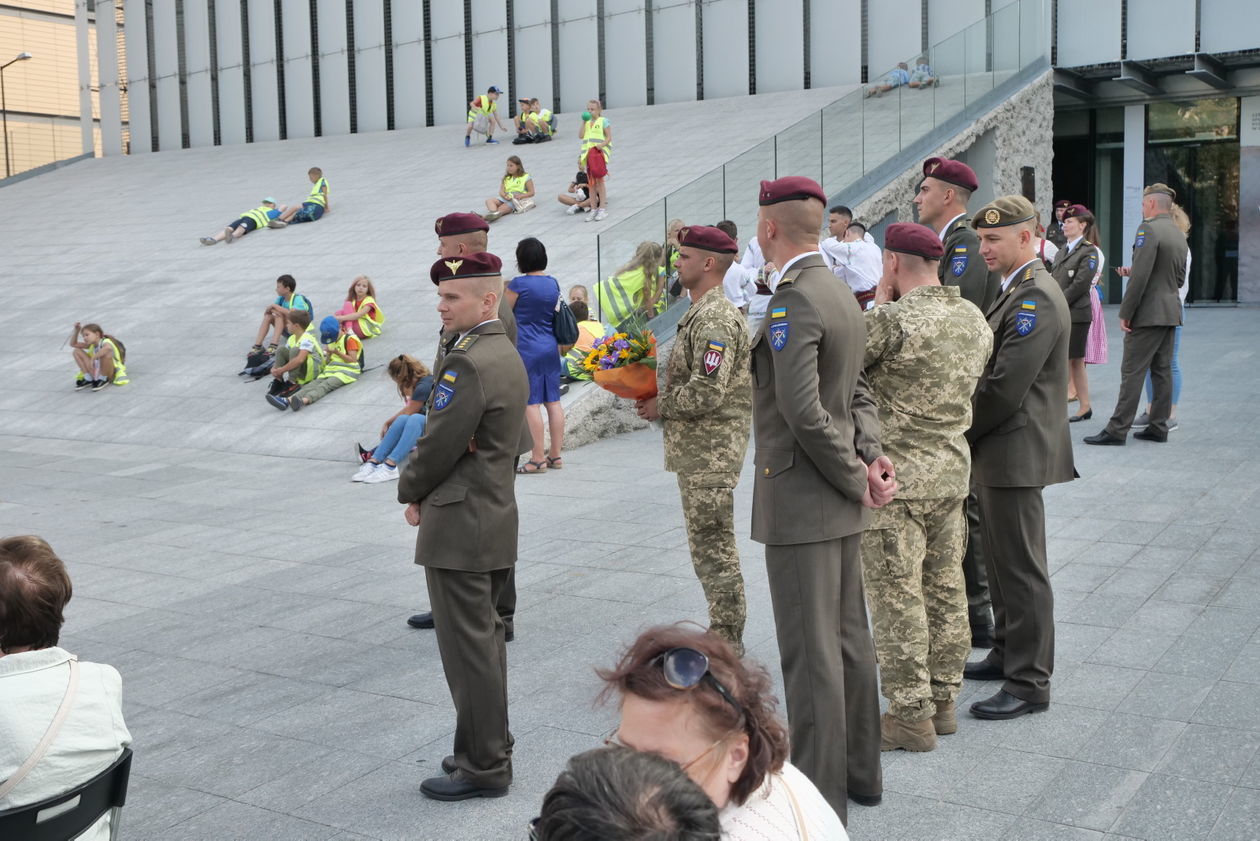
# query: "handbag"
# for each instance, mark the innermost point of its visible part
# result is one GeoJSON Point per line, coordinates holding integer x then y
{"type": "Point", "coordinates": [564, 325]}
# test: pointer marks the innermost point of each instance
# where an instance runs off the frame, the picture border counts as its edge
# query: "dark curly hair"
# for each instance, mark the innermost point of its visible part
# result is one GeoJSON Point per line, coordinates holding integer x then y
{"type": "Point", "coordinates": [638, 673]}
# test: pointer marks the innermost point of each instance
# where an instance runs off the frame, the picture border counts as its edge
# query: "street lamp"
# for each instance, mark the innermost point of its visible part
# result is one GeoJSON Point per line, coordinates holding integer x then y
{"type": "Point", "coordinates": [4, 112]}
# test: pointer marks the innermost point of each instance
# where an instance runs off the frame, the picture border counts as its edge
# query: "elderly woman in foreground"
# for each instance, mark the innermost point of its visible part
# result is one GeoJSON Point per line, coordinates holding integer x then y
{"type": "Point", "coordinates": [686, 695]}
{"type": "Point", "coordinates": [38, 680]}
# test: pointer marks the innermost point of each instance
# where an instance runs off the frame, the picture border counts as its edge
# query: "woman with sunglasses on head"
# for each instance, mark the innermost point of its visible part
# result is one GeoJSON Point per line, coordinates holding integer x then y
{"type": "Point", "coordinates": [686, 695]}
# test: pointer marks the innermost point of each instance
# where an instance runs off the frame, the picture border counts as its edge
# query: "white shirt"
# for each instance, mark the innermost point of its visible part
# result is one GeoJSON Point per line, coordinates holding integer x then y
{"type": "Point", "coordinates": [93, 735]}
{"type": "Point", "coordinates": [739, 284]}
{"type": "Point", "coordinates": [469, 330]}
{"type": "Point", "coordinates": [768, 812]}
{"type": "Point", "coordinates": [1046, 250]}
{"type": "Point", "coordinates": [859, 264]}
{"type": "Point", "coordinates": [1071, 244]}
{"type": "Point", "coordinates": [1006, 281]}
{"type": "Point", "coordinates": [941, 233]}
{"type": "Point", "coordinates": [753, 258]}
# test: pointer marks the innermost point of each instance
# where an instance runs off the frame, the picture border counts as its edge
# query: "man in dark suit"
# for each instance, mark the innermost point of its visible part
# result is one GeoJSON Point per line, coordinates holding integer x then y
{"type": "Point", "coordinates": [941, 200]}
{"type": "Point", "coordinates": [818, 461]}
{"type": "Point", "coordinates": [458, 488]}
{"type": "Point", "coordinates": [1149, 316]}
{"type": "Point", "coordinates": [1019, 444]}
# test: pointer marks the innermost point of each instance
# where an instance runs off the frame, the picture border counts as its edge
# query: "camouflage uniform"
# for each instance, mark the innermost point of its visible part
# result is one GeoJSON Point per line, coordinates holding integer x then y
{"type": "Point", "coordinates": [924, 354]}
{"type": "Point", "coordinates": [705, 403]}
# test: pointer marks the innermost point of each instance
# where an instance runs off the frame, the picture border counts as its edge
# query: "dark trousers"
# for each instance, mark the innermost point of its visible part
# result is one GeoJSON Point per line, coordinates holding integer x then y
{"type": "Point", "coordinates": [1145, 348]}
{"type": "Point", "coordinates": [979, 609]}
{"type": "Point", "coordinates": [828, 661]}
{"type": "Point", "coordinates": [474, 658]}
{"type": "Point", "coordinates": [1013, 521]}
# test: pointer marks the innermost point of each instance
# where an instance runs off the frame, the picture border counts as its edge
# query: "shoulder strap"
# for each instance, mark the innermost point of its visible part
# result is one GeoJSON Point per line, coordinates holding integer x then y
{"type": "Point", "coordinates": [67, 701]}
{"type": "Point", "coordinates": [797, 817]}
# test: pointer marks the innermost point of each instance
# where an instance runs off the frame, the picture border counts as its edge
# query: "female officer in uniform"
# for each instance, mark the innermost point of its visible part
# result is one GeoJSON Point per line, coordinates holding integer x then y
{"type": "Point", "coordinates": [1077, 267]}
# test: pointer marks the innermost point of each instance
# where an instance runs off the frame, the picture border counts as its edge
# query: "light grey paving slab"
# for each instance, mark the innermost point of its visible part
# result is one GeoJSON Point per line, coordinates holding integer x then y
{"type": "Point", "coordinates": [1004, 781]}
{"type": "Point", "coordinates": [1230, 705]}
{"type": "Point", "coordinates": [1093, 685]}
{"type": "Point", "coordinates": [1174, 697]}
{"type": "Point", "coordinates": [241, 822]}
{"type": "Point", "coordinates": [1169, 807]}
{"type": "Point", "coordinates": [1131, 741]}
{"type": "Point", "coordinates": [1239, 818]}
{"type": "Point", "coordinates": [1089, 796]}
{"type": "Point", "coordinates": [1211, 754]}
{"type": "Point", "coordinates": [1140, 649]}
{"type": "Point", "coordinates": [1027, 829]}
{"type": "Point", "coordinates": [154, 806]}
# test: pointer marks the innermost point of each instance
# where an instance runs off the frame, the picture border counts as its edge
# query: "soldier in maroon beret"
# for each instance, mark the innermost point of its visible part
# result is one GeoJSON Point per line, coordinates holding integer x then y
{"type": "Point", "coordinates": [459, 489]}
{"type": "Point", "coordinates": [1054, 231]}
{"type": "Point", "coordinates": [817, 438]}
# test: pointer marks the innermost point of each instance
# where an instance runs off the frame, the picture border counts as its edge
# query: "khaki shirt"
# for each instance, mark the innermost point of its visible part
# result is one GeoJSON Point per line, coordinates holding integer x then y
{"type": "Point", "coordinates": [705, 395]}
{"type": "Point", "coordinates": [924, 354]}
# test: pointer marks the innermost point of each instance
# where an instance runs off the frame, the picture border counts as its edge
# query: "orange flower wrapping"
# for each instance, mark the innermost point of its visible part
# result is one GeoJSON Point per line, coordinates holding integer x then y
{"type": "Point", "coordinates": [635, 381]}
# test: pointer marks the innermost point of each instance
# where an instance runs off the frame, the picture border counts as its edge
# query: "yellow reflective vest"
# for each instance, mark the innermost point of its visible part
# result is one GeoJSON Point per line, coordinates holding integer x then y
{"type": "Point", "coordinates": [482, 104]}
{"type": "Point", "coordinates": [314, 360]}
{"type": "Point", "coordinates": [370, 323]}
{"type": "Point", "coordinates": [592, 133]}
{"type": "Point", "coordinates": [515, 183]}
{"type": "Point", "coordinates": [259, 215]}
{"type": "Point", "coordinates": [120, 370]}
{"type": "Point", "coordinates": [337, 367]}
{"type": "Point", "coordinates": [317, 193]}
{"type": "Point", "coordinates": [621, 296]}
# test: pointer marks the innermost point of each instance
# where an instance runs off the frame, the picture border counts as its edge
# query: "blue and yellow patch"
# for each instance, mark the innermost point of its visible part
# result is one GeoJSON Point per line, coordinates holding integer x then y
{"type": "Point", "coordinates": [1025, 322]}
{"type": "Point", "coordinates": [1092, 263]}
{"type": "Point", "coordinates": [445, 392]}
{"type": "Point", "coordinates": [958, 262]}
{"type": "Point", "coordinates": [1141, 238]}
{"type": "Point", "coordinates": [778, 312]}
{"type": "Point", "coordinates": [779, 334]}
{"type": "Point", "coordinates": [1028, 305]}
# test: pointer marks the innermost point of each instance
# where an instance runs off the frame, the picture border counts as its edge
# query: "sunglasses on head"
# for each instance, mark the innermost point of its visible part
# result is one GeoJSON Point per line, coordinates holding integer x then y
{"type": "Point", "coordinates": [687, 668]}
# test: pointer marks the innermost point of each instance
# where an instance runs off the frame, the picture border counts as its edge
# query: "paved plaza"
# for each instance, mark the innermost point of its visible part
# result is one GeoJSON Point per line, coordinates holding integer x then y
{"type": "Point", "coordinates": [255, 606]}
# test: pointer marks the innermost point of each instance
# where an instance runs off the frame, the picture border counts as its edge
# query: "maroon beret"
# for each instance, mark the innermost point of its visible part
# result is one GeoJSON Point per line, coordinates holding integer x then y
{"type": "Point", "coordinates": [951, 172]}
{"type": "Point", "coordinates": [1077, 210]}
{"type": "Point", "coordinates": [912, 238]}
{"type": "Point", "coordinates": [710, 239]}
{"type": "Point", "coordinates": [790, 188]}
{"type": "Point", "coordinates": [1062, 203]}
{"type": "Point", "coordinates": [480, 264]}
{"type": "Point", "coordinates": [454, 224]}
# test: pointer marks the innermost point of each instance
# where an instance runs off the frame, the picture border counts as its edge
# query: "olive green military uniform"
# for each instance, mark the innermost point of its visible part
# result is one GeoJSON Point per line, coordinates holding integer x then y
{"type": "Point", "coordinates": [962, 265]}
{"type": "Point", "coordinates": [924, 354]}
{"type": "Point", "coordinates": [1074, 271]}
{"type": "Point", "coordinates": [705, 402]}
{"type": "Point", "coordinates": [816, 430]}
{"type": "Point", "coordinates": [1152, 306]}
{"type": "Point", "coordinates": [1020, 444]}
{"type": "Point", "coordinates": [462, 476]}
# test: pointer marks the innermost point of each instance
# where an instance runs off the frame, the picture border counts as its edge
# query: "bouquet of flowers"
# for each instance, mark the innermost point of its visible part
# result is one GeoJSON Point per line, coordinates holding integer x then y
{"type": "Point", "coordinates": [624, 362]}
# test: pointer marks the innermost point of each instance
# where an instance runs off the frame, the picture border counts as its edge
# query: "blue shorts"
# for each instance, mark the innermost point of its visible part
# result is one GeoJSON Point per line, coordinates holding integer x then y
{"type": "Point", "coordinates": [249, 224]}
{"type": "Point", "coordinates": [310, 212]}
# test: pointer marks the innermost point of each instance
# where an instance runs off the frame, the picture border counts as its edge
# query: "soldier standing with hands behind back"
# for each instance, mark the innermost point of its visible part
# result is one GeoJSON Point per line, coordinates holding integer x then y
{"type": "Point", "coordinates": [1149, 316]}
{"type": "Point", "coordinates": [818, 462]}
{"type": "Point", "coordinates": [459, 489]}
{"type": "Point", "coordinates": [705, 402]}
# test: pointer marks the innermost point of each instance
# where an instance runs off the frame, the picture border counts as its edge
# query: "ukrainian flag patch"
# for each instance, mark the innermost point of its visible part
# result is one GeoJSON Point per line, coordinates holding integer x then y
{"type": "Point", "coordinates": [1028, 305]}
{"type": "Point", "coordinates": [778, 312]}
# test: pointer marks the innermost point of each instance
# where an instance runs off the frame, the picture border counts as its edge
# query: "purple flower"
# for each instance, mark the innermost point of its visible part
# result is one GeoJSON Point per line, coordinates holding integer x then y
{"type": "Point", "coordinates": [621, 344]}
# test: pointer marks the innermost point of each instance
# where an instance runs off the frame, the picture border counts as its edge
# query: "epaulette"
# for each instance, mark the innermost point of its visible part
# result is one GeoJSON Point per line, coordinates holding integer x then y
{"type": "Point", "coordinates": [787, 281]}
{"type": "Point", "coordinates": [1028, 273]}
{"type": "Point", "coordinates": [466, 342]}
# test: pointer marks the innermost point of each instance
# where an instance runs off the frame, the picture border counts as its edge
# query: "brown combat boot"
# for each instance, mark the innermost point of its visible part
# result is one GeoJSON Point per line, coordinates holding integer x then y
{"type": "Point", "coordinates": [945, 721]}
{"type": "Point", "coordinates": [896, 734]}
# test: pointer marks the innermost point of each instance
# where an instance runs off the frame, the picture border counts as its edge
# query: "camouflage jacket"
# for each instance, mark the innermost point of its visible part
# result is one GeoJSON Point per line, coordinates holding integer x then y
{"type": "Point", "coordinates": [705, 395]}
{"type": "Point", "coordinates": [924, 355]}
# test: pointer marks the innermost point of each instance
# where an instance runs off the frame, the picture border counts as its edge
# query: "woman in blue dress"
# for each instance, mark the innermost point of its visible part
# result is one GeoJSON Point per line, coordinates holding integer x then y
{"type": "Point", "coordinates": [534, 296]}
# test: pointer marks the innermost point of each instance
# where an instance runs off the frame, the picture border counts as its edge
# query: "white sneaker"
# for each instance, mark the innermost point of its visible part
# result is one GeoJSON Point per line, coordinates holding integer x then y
{"type": "Point", "coordinates": [592, 215]}
{"type": "Point", "coordinates": [601, 215]}
{"type": "Point", "coordinates": [573, 210]}
{"type": "Point", "coordinates": [382, 473]}
{"type": "Point", "coordinates": [364, 472]}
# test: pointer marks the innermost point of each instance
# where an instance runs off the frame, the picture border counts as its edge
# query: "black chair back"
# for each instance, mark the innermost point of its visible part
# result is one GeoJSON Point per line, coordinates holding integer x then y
{"type": "Point", "coordinates": [68, 815]}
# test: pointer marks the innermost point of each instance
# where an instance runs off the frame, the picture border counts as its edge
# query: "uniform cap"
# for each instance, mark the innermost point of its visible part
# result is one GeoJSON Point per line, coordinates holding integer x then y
{"type": "Point", "coordinates": [480, 264]}
{"type": "Point", "coordinates": [951, 172]}
{"type": "Point", "coordinates": [790, 188]}
{"type": "Point", "coordinates": [454, 224]}
{"type": "Point", "coordinates": [1077, 210]}
{"type": "Point", "coordinates": [495, 89]}
{"type": "Point", "coordinates": [1062, 203]}
{"type": "Point", "coordinates": [328, 329]}
{"type": "Point", "coordinates": [1004, 211]}
{"type": "Point", "coordinates": [710, 239]}
{"type": "Point", "coordinates": [1159, 187]}
{"type": "Point", "coordinates": [911, 238]}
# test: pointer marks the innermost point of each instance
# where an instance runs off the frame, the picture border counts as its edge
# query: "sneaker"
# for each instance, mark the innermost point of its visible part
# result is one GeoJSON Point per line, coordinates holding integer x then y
{"type": "Point", "coordinates": [276, 223]}
{"type": "Point", "coordinates": [467, 141]}
{"type": "Point", "coordinates": [1172, 424]}
{"type": "Point", "coordinates": [97, 385]}
{"type": "Point", "coordinates": [591, 216]}
{"type": "Point", "coordinates": [364, 455]}
{"type": "Point", "coordinates": [289, 389]}
{"type": "Point", "coordinates": [601, 214]}
{"type": "Point", "coordinates": [364, 471]}
{"type": "Point", "coordinates": [1143, 420]}
{"type": "Point", "coordinates": [208, 241]}
{"type": "Point", "coordinates": [573, 210]}
{"type": "Point", "coordinates": [297, 404]}
{"type": "Point", "coordinates": [275, 386]}
{"type": "Point", "coordinates": [382, 473]}
{"type": "Point", "coordinates": [81, 383]}
{"type": "Point", "coordinates": [278, 402]}
{"type": "Point", "coordinates": [491, 140]}
{"type": "Point", "coordinates": [227, 235]}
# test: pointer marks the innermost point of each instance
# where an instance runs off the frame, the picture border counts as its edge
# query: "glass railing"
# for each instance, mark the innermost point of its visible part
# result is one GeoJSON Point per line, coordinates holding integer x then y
{"type": "Point", "coordinates": [853, 136]}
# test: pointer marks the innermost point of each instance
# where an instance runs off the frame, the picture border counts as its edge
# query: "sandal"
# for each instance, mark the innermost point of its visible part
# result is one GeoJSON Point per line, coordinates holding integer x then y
{"type": "Point", "coordinates": [538, 467]}
{"type": "Point", "coordinates": [271, 348]}
{"type": "Point", "coordinates": [554, 463]}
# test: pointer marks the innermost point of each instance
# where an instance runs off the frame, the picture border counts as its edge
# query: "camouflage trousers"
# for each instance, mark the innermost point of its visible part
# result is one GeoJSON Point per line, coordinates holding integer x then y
{"type": "Point", "coordinates": [708, 501]}
{"type": "Point", "coordinates": [912, 567]}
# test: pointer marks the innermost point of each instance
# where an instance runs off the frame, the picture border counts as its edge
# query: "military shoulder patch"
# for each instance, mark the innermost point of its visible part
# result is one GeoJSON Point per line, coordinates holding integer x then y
{"type": "Point", "coordinates": [1025, 322]}
{"type": "Point", "coordinates": [1141, 238]}
{"type": "Point", "coordinates": [445, 391]}
{"type": "Point", "coordinates": [466, 342]}
{"type": "Point", "coordinates": [778, 312]}
{"type": "Point", "coordinates": [713, 356]}
{"type": "Point", "coordinates": [1028, 305]}
{"type": "Point", "coordinates": [779, 334]}
{"type": "Point", "coordinates": [1092, 262]}
{"type": "Point", "coordinates": [958, 261]}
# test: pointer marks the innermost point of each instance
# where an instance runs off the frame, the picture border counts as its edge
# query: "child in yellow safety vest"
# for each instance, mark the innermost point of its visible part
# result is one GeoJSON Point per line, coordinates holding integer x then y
{"type": "Point", "coordinates": [266, 215]}
{"type": "Point", "coordinates": [343, 363]}
{"type": "Point", "coordinates": [483, 115]}
{"type": "Point", "coordinates": [360, 314]}
{"type": "Point", "coordinates": [596, 136]}
{"type": "Point", "coordinates": [516, 192]}
{"type": "Point", "coordinates": [315, 205]}
{"type": "Point", "coordinates": [100, 357]}
{"type": "Point", "coordinates": [299, 360]}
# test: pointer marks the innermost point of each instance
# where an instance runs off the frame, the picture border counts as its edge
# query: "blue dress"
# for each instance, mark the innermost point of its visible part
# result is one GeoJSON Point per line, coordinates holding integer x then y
{"type": "Point", "coordinates": [535, 313]}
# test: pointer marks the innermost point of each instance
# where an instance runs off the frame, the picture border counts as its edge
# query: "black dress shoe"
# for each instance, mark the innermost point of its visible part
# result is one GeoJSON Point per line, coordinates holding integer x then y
{"type": "Point", "coordinates": [982, 636]}
{"type": "Point", "coordinates": [450, 787]}
{"type": "Point", "coordinates": [1149, 434]}
{"type": "Point", "coordinates": [982, 670]}
{"type": "Point", "coordinates": [423, 621]}
{"type": "Point", "coordinates": [866, 799]}
{"type": "Point", "coordinates": [448, 764]}
{"type": "Point", "coordinates": [1004, 705]}
{"type": "Point", "coordinates": [1105, 438]}
{"type": "Point", "coordinates": [1086, 415]}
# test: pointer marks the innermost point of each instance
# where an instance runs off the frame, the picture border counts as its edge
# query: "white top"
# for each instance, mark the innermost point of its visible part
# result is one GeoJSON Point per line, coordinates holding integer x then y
{"type": "Point", "coordinates": [739, 284]}
{"type": "Point", "coordinates": [859, 264]}
{"type": "Point", "coordinates": [32, 684]}
{"type": "Point", "coordinates": [1046, 250]}
{"type": "Point", "coordinates": [753, 258]}
{"type": "Point", "coordinates": [767, 815]}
